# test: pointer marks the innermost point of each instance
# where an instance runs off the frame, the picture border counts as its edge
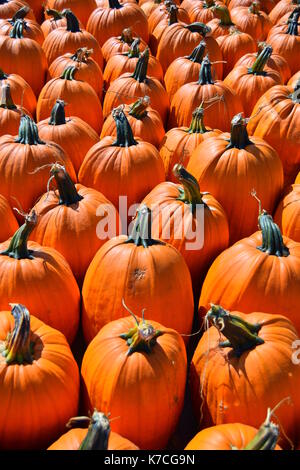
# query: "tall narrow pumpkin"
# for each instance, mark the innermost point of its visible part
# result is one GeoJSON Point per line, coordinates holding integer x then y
{"type": "Point", "coordinates": [130, 362]}
{"type": "Point", "coordinates": [10, 114]}
{"type": "Point", "coordinates": [36, 367]}
{"type": "Point", "coordinates": [146, 273]}
{"type": "Point", "coordinates": [53, 296]}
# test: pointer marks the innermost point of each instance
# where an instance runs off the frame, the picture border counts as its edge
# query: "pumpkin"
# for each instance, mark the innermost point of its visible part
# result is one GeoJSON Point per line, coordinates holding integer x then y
{"type": "Point", "coordinates": [229, 166]}
{"type": "Point", "coordinates": [36, 365]}
{"type": "Point", "coordinates": [69, 218]}
{"type": "Point", "coordinates": [130, 86]}
{"type": "Point", "coordinates": [32, 29]}
{"type": "Point", "coordinates": [87, 69]}
{"type": "Point", "coordinates": [55, 20]}
{"type": "Point", "coordinates": [233, 46]}
{"type": "Point", "coordinates": [252, 20]}
{"type": "Point", "coordinates": [81, 8]}
{"type": "Point", "coordinates": [10, 114]}
{"type": "Point", "coordinates": [264, 264]}
{"type": "Point", "coordinates": [144, 121]}
{"type": "Point", "coordinates": [244, 363]}
{"type": "Point", "coordinates": [294, 79]}
{"type": "Point", "coordinates": [287, 43]}
{"type": "Point", "coordinates": [81, 97]}
{"type": "Point", "coordinates": [17, 52]}
{"type": "Point", "coordinates": [251, 83]}
{"type": "Point", "coordinates": [128, 363]}
{"type": "Point", "coordinates": [8, 228]}
{"type": "Point", "coordinates": [221, 25]}
{"type": "Point", "coordinates": [37, 9]}
{"type": "Point", "coordinates": [275, 62]}
{"type": "Point", "coordinates": [180, 40]}
{"type": "Point", "coordinates": [21, 92]}
{"type": "Point", "coordinates": [105, 3]}
{"type": "Point", "coordinates": [163, 13]}
{"type": "Point", "coordinates": [202, 11]}
{"type": "Point", "coordinates": [69, 39]}
{"type": "Point", "coordinates": [122, 166]}
{"type": "Point", "coordinates": [73, 135]}
{"type": "Point", "coordinates": [282, 7]}
{"type": "Point", "coordinates": [120, 44]}
{"type": "Point", "coordinates": [126, 62]}
{"type": "Point", "coordinates": [287, 214]}
{"type": "Point", "coordinates": [23, 165]}
{"type": "Point", "coordinates": [109, 21]}
{"type": "Point", "coordinates": [205, 90]}
{"type": "Point", "coordinates": [179, 142]}
{"type": "Point", "coordinates": [98, 436]}
{"type": "Point", "coordinates": [282, 26]}
{"type": "Point", "coordinates": [9, 7]}
{"type": "Point", "coordinates": [24, 264]}
{"type": "Point", "coordinates": [149, 271]}
{"type": "Point", "coordinates": [189, 220]}
{"type": "Point", "coordinates": [237, 436]}
{"type": "Point", "coordinates": [275, 119]}
{"type": "Point", "coordinates": [266, 5]}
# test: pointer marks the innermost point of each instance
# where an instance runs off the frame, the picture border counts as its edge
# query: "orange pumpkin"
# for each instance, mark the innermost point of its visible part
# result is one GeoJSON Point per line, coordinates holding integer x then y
{"type": "Point", "coordinates": [229, 166]}
{"type": "Point", "coordinates": [162, 13]}
{"type": "Point", "coordinates": [148, 355]}
{"type": "Point", "coordinates": [8, 8]}
{"type": "Point", "coordinates": [221, 25]}
{"type": "Point", "coordinates": [36, 365]}
{"type": "Point", "coordinates": [282, 7]}
{"type": "Point", "coordinates": [55, 20]}
{"type": "Point", "coordinates": [266, 5]}
{"type": "Point", "coordinates": [287, 214]}
{"type": "Point", "coordinates": [294, 80]}
{"type": "Point", "coordinates": [120, 44]}
{"type": "Point", "coordinates": [234, 365]}
{"type": "Point", "coordinates": [201, 11]}
{"type": "Point", "coordinates": [122, 166]}
{"type": "Point", "coordinates": [73, 135]}
{"type": "Point", "coordinates": [32, 29]}
{"type": "Point", "coordinates": [10, 114]}
{"type": "Point", "coordinates": [21, 92]}
{"type": "Point", "coordinates": [98, 436]}
{"type": "Point", "coordinates": [37, 9]}
{"type": "Point", "coordinates": [81, 97]}
{"type": "Point", "coordinates": [81, 8]}
{"type": "Point", "coordinates": [252, 20]}
{"type": "Point", "coordinates": [9, 222]}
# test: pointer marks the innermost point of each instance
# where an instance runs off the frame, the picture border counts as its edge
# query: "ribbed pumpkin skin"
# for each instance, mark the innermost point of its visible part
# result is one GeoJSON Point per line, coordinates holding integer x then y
{"type": "Point", "coordinates": [287, 214]}
{"type": "Point", "coordinates": [21, 91]}
{"type": "Point", "coordinates": [31, 31]}
{"type": "Point", "coordinates": [234, 387]}
{"type": "Point", "coordinates": [18, 161]}
{"type": "Point", "coordinates": [233, 46]}
{"type": "Point", "coordinates": [288, 46]}
{"type": "Point", "coordinates": [119, 64]}
{"type": "Point", "coordinates": [279, 10]}
{"type": "Point", "coordinates": [144, 277]}
{"type": "Point", "coordinates": [82, 100]}
{"type": "Point", "coordinates": [294, 79]}
{"type": "Point", "coordinates": [277, 123]}
{"type": "Point", "coordinates": [27, 391]}
{"type": "Point", "coordinates": [180, 71]}
{"type": "Point", "coordinates": [81, 8]}
{"type": "Point", "coordinates": [257, 25]}
{"type": "Point", "coordinates": [107, 22]}
{"type": "Point", "coordinates": [10, 7]}
{"type": "Point", "coordinates": [9, 223]}
{"type": "Point", "coordinates": [115, 45]}
{"type": "Point", "coordinates": [75, 137]}
{"type": "Point", "coordinates": [53, 296]}
{"type": "Point", "coordinates": [266, 5]}
{"type": "Point", "coordinates": [223, 437]}
{"type": "Point", "coordinates": [37, 9]}
{"type": "Point", "coordinates": [200, 13]}
{"type": "Point", "coordinates": [173, 214]}
{"type": "Point", "coordinates": [122, 171]}
{"type": "Point", "coordinates": [72, 440]}
{"type": "Point", "coordinates": [126, 385]}
{"type": "Point", "coordinates": [50, 25]}
{"type": "Point", "coordinates": [10, 120]}
{"type": "Point", "coordinates": [237, 279]}
{"type": "Point", "coordinates": [72, 230]}
{"type": "Point", "coordinates": [275, 62]}
{"type": "Point", "coordinates": [230, 175]}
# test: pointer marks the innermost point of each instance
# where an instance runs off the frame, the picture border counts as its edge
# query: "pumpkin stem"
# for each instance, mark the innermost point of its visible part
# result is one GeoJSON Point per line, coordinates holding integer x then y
{"type": "Point", "coordinates": [68, 194]}
{"type": "Point", "coordinates": [114, 4]}
{"type": "Point", "coordinates": [58, 116]}
{"type": "Point", "coordinates": [198, 27]}
{"type": "Point", "coordinates": [205, 75]}
{"type": "Point", "coordinates": [208, 3]}
{"type": "Point", "coordinates": [295, 96]}
{"type": "Point", "coordinates": [172, 15]}
{"type": "Point", "coordinates": [17, 347]}
{"type": "Point", "coordinates": [56, 15]}
{"type": "Point", "coordinates": [98, 433]}
{"type": "Point", "coordinates": [3, 75]}
{"type": "Point", "coordinates": [28, 132]}
{"type": "Point", "coordinates": [72, 21]}
{"type": "Point", "coordinates": [6, 99]}
{"type": "Point", "coordinates": [272, 241]}
{"type": "Point", "coordinates": [190, 193]}
{"type": "Point", "coordinates": [241, 335]}
{"type": "Point", "coordinates": [18, 29]}
{"type": "Point", "coordinates": [82, 54]}
{"type": "Point", "coordinates": [261, 61]}
{"type": "Point", "coordinates": [126, 36]}
{"type": "Point", "coordinates": [124, 132]}
{"type": "Point", "coordinates": [18, 245]}
{"type": "Point", "coordinates": [69, 73]}
{"type": "Point", "coordinates": [293, 25]}
{"type": "Point", "coordinates": [254, 8]}
{"type": "Point", "coordinates": [239, 136]}
{"type": "Point", "coordinates": [140, 72]}
{"type": "Point", "coordinates": [141, 231]}
{"type": "Point", "coordinates": [134, 50]}
{"type": "Point", "coordinates": [198, 53]}
{"type": "Point", "coordinates": [139, 108]}
{"type": "Point", "coordinates": [197, 125]}
{"type": "Point", "coordinates": [20, 14]}
{"type": "Point", "coordinates": [223, 14]}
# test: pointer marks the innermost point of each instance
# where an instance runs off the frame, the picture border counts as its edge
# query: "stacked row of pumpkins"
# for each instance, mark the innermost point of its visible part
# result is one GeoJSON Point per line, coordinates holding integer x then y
{"type": "Point", "coordinates": [176, 106]}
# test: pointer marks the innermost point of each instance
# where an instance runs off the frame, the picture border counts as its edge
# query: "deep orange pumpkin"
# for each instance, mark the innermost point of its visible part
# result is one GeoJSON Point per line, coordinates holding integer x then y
{"type": "Point", "coordinates": [10, 114]}
{"type": "Point", "coordinates": [21, 92]}
{"type": "Point", "coordinates": [294, 79]}
{"type": "Point", "coordinates": [81, 8]}
{"type": "Point", "coordinates": [9, 223]}
{"type": "Point", "coordinates": [120, 44]}
{"type": "Point", "coordinates": [8, 8]}
{"type": "Point", "coordinates": [252, 20]}
{"type": "Point", "coordinates": [55, 20]}
{"type": "Point", "coordinates": [287, 214]}
{"type": "Point", "coordinates": [282, 7]}
{"type": "Point", "coordinates": [32, 29]}
{"type": "Point", "coordinates": [221, 25]}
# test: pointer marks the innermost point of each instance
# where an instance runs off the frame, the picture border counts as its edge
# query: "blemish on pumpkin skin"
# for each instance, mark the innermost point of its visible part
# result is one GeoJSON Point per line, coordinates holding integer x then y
{"type": "Point", "coordinates": [139, 274]}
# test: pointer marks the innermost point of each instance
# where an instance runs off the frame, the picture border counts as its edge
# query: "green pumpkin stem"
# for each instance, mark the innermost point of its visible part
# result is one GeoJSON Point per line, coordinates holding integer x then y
{"type": "Point", "coordinates": [28, 132]}
{"type": "Point", "coordinates": [205, 75]}
{"type": "Point", "coordinates": [295, 96]}
{"type": "Point", "coordinates": [261, 61]}
{"type": "Point", "coordinates": [198, 27]}
{"type": "Point", "coordinates": [20, 14]}
{"type": "Point", "coordinates": [114, 4]}
{"type": "Point", "coordinates": [140, 72]}
{"type": "Point", "coordinates": [197, 125]}
{"type": "Point", "coordinates": [241, 335]}
{"type": "Point", "coordinates": [17, 347]}
{"type": "Point", "coordinates": [173, 10]}
{"type": "Point", "coordinates": [293, 24]}
{"type": "Point", "coordinates": [239, 136]}
{"type": "Point", "coordinates": [198, 53]}
{"type": "Point", "coordinates": [6, 99]}
{"type": "Point", "coordinates": [254, 8]}
{"type": "Point", "coordinates": [17, 31]}
{"type": "Point", "coordinates": [134, 50]}
{"type": "Point", "coordinates": [56, 15]}
{"type": "Point", "coordinates": [266, 437]}
{"type": "Point", "coordinates": [98, 433]}
{"type": "Point", "coordinates": [68, 194]}
{"type": "Point", "coordinates": [58, 116]}
{"type": "Point", "coordinates": [72, 21]}
{"type": "Point", "coordinates": [190, 193]}
{"type": "Point", "coordinates": [272, 241]}
{"type": "Point", "coordinates": [18, 248]}
{"type": "Point", "coordinates": [208, 3]}
{"type": "Point", "coordinates": [3, 76]}
{"type": "Point", "coordinates": [69, 73]}
{"type": "Point", "coordinates": [224, 15]}
{"type": "Point", "coordinates": [124, 132]}
{"type": "Point", "coordinates": [81, 55]}
{"type": "Point", "coordinates": [141, 231]}
{"type": "Point", "coordinates": [139, 108]}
